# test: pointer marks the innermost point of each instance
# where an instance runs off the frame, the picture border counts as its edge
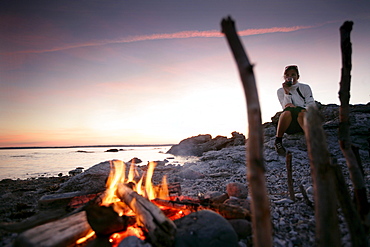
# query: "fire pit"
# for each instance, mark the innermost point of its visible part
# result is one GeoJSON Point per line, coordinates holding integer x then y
{"type": "Point", "coordinates": [135, 212]}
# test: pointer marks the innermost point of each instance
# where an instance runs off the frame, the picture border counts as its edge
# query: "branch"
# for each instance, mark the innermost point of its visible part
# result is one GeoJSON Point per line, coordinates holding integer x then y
{"type": "Point", "coordinates": [344, 133]}
{"type": "Point", "coordinates": [327, 228]}
{"type": "Point", "coordinates": [261, 220]}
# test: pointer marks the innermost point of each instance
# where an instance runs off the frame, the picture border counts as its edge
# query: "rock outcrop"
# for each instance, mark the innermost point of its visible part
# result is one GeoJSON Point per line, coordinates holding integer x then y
{"type": "Point", "coordinates": [197, 145]}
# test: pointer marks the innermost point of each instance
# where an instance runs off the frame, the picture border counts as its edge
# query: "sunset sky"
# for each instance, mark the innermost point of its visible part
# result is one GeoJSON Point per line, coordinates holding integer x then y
{"type": "Point", "coordinates": [76, 72]}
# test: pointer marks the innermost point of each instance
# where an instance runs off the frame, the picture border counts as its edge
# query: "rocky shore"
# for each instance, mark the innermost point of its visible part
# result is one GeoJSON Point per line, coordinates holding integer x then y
{"type": "Point", "coordinates": [209, 173]}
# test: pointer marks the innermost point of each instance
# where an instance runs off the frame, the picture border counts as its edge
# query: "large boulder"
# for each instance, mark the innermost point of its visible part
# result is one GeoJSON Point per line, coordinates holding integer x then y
{"type": "Point", "coordinates": [204, 228]}
{"type": "Point", "coordinates": [197, 145]}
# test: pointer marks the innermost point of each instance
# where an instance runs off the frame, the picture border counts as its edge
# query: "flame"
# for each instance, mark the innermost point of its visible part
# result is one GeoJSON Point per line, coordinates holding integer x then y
{"type": "Point", "coordinates": [90, 234]}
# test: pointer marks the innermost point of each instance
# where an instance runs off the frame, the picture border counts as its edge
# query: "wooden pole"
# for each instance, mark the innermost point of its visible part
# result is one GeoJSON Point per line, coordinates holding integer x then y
{"type": "Point", "coordinates": [261, 220]}
{"type": "Point", "coordinates": [288, 162]}
{"type": "Point", "coordinates": [327, 228]}
{"type": "Point", "coordinates": [344, 133]}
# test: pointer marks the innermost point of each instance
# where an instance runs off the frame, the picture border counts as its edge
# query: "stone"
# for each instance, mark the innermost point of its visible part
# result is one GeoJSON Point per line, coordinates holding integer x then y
{"type": "Point", "coordinates": [197, 145]}
{"type": "Point", "coordinates": [135, 160]}
{"type": "Point", "coordinates": [204, 228]}
{"type": "Point", "coordinates": [190, 174]}
{"type": "Point", "coordinates": [242, 227]}
{"type": "Point", "coordinates": [91, 181]}
{"type": "Point", "coordinates": [238, 190]}
{"type": "Point", "coordinates": [133, 241]}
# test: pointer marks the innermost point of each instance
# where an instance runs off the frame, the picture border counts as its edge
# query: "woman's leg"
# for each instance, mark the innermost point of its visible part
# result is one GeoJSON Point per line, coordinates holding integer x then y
{"type": "Point", "coordinates": [300, 118]}
{"type": "Point", "coordinates": [284, 121]}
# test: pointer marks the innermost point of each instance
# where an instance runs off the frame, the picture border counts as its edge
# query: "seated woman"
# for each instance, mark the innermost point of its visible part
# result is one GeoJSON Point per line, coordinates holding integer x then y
{"type": "Point", "coordinates": [294, 97]}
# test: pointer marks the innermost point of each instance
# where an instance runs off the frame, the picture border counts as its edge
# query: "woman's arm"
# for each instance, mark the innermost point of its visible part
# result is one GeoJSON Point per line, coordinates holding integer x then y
{"type": "Point", "coordinates": [284, 99]}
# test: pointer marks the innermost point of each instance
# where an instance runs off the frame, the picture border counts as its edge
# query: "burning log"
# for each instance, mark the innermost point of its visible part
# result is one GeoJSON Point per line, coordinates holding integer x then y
{"type": "Point", "coordinates": [227, 211]}
{"type": "Point", "coordinates": [63, 232]}
{"type": "Point", "coordinates": [104, 220]}
{"type": "Point", "coordinates": [161, 230]}
{"type": "Point", "coordinates": [261, 219]}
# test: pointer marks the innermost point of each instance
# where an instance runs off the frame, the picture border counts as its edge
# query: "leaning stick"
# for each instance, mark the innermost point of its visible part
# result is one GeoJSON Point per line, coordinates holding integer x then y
{"type": "Point", "coordinates": [288, 161]}
{"type": "Point", "coordinates": [261, 220]}
{"type": "Point", "coordinates": [356, 228]}
{"type": "Point", "coordinates": [327, 227]}
{"type": "Point", "coordinates": [344, 133]}
{"type": "Point", "coordinates": [161, 230]}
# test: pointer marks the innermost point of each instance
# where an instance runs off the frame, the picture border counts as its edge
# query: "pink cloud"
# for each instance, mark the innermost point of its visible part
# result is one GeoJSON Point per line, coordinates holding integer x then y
{"type": "Point", "coordinates": [177, 35]}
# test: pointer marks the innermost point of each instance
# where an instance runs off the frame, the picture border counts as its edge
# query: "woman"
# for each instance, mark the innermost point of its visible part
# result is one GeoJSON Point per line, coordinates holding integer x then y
{"type": "Point", "coordinates": [294, 97]}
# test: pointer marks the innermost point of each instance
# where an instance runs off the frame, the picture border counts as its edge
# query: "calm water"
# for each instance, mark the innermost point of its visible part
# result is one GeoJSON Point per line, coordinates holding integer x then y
{"type": "Point", "coordinates": [27, 163]}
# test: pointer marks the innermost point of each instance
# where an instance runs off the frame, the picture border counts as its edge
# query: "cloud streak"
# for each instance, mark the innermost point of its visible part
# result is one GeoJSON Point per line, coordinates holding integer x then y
{"type": "Point", "coordinates": [177, 35]}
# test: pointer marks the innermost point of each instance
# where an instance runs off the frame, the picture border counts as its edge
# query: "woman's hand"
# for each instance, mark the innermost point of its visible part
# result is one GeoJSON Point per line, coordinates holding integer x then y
{"type": "Point", "coordinates": [289, 105]}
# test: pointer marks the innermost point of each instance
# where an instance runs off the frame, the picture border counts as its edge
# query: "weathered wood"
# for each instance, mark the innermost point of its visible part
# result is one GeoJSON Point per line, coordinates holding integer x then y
{"type": "Point", "coordinates": [60, 233]}
{"type": "Point", "coordinates": [52, 207]}
{"type": "Point", "coordinates": [261, 219]}
{"type": "Point", "coordinates": [305, 197]}
{"type": "Point", "coordinates": [288, 162]}
{"type": "Point", "coordinates": [356, 228]}
{"type": "Point", "coordinates": [344, 132]}
{"type": "Point", "coordinates": [161, 230]}
{"type": "Point", "coordinates": [227, 211]}
{"type": "Point", "coordinates": [327, 227]}
{"type": "Point", "coordinates": [174, 189]}
{"type": "Point", "coordinates": [104, 220]}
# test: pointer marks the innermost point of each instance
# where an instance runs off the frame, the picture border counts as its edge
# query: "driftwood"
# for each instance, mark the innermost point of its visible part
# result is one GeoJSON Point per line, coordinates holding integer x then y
{"type": "Point", "coordinates": [35, 220]}
{"type": "Point", "coordinates": [227, 211]}
{"type": "Point", "coordinates": [105, 221]}
{"type": "Point", "coordinates": [305, 197]}
{"type": "Point", "coordinates": [161, 230]}
{"type": "Point", "coordinates": [289, 175]}
{"type": "Point", "coordinates": [327, 227]}
{"type": "Point", "coordinates": [261, 219]}
{"type": "Point", "coordinates": [63, 232]}
{"type": "Point", "coordinates": [356, 228]}
{"type": "Point", "coordinates": [344, 133]}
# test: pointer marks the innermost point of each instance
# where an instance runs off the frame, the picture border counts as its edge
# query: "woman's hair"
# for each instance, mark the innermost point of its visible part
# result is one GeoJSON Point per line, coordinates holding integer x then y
{"type": "Point", "coordinates": [293, 67]}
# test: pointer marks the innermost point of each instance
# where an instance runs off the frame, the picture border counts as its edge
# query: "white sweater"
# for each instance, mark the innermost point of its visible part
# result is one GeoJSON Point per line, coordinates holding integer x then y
{"type": "Point", "coordinates": [294, 97]}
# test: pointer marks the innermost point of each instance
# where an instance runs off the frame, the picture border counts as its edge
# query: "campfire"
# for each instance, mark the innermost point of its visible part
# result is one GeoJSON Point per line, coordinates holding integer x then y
{"type": "Point", "coordinates": [131, 207]}
{"type": "Point", "coordinates": [129, 201]}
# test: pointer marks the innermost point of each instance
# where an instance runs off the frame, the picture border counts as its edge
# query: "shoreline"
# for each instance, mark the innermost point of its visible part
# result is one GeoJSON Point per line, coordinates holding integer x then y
{"type": "Point", "coordinates": [90, 146]}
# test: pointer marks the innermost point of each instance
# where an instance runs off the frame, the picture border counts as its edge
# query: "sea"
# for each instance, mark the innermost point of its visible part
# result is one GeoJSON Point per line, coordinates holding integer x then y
{"type": "Point", "coordinates": [29, 163]}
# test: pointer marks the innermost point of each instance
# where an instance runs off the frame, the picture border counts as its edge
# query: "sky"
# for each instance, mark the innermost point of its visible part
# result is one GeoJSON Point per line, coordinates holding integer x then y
{"type": "Point", "coordinates": [78, 72]}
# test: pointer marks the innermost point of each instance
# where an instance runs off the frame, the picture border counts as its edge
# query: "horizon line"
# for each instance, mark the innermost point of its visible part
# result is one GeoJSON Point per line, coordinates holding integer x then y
{"type": "Point", "coordinates": [88, 146]}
